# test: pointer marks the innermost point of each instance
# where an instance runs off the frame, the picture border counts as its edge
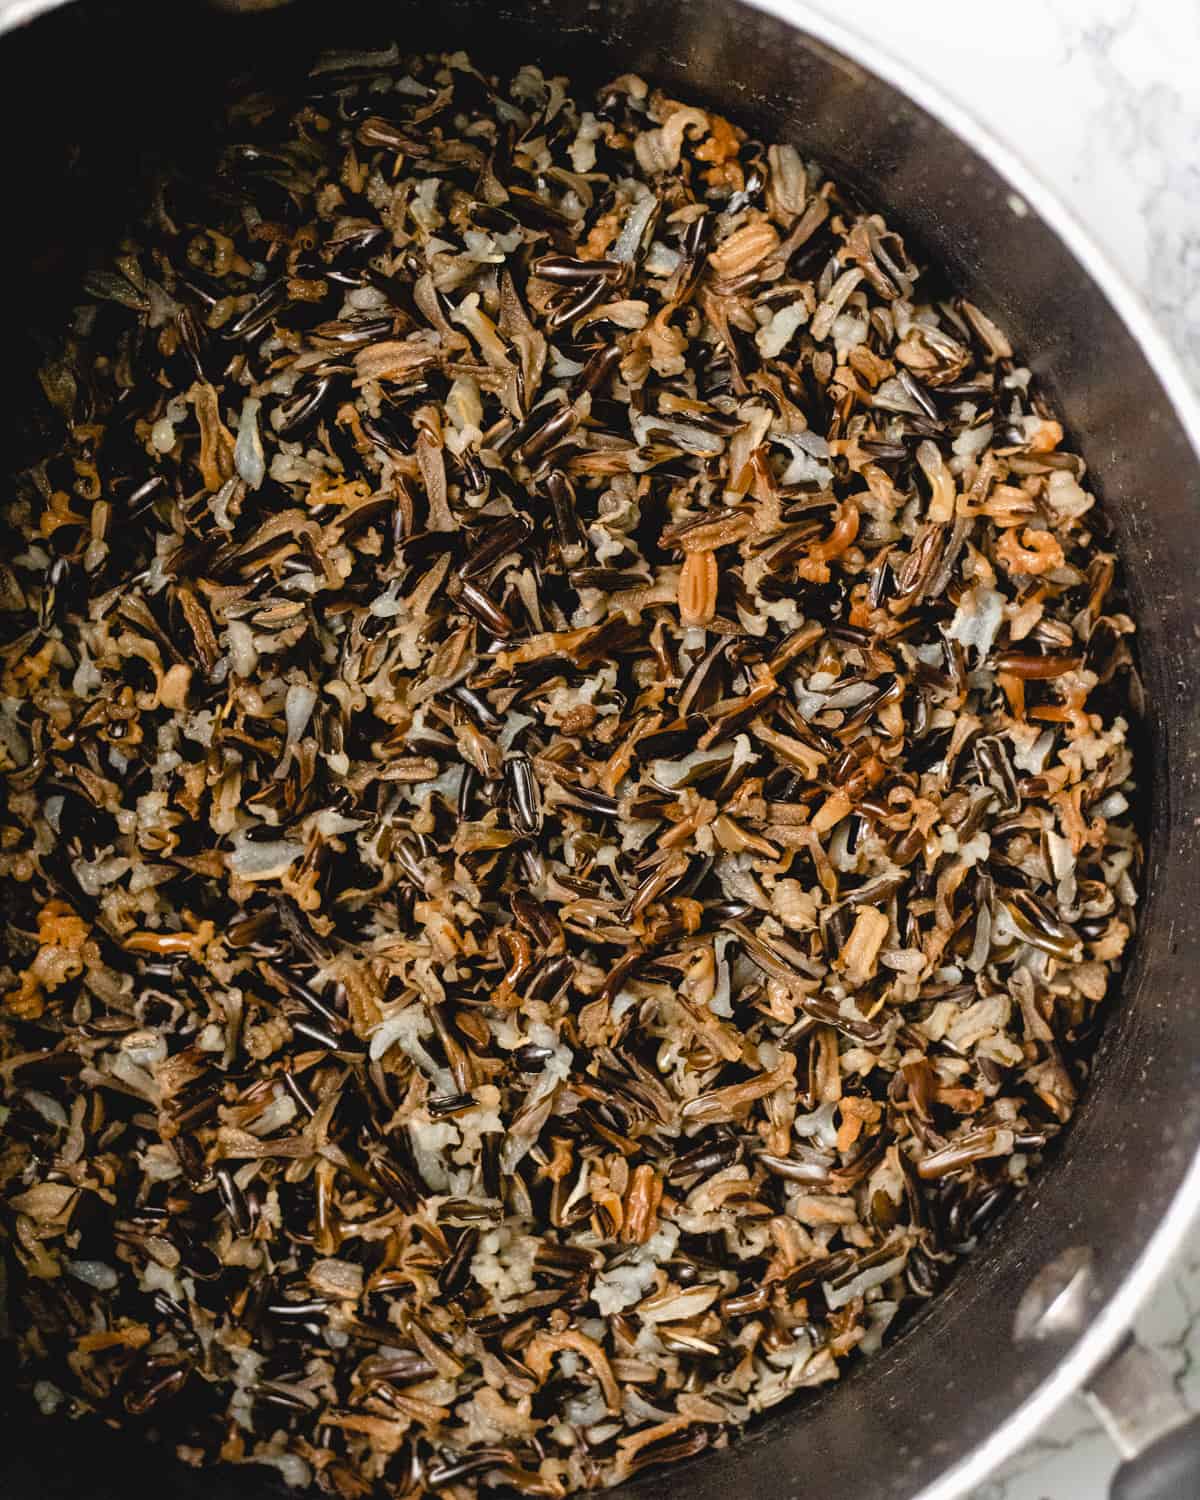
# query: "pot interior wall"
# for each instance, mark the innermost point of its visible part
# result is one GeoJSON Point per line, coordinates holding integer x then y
{"type": "Point", "coordinates": [93, 93]}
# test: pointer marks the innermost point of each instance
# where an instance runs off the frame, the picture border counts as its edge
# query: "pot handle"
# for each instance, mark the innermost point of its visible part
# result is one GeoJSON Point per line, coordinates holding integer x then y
{"type": "Point", "coordinates": [1168, 1470]}
{"type": "Point", "coordinates": [1156, 1434]}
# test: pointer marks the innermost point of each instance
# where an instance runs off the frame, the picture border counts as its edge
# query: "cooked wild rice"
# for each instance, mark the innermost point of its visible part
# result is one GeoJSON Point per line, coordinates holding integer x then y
{"type": "Point", "coordinates": [567, 820]}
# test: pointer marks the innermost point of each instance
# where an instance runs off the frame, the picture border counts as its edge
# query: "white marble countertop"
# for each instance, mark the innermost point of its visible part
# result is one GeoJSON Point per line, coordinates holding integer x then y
{"type": "Point", "coordinates": [1101, 99]}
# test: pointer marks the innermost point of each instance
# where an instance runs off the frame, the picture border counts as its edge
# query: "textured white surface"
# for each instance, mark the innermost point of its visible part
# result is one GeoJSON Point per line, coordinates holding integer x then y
{"type": "Point", "coordinates": [1101, 98]}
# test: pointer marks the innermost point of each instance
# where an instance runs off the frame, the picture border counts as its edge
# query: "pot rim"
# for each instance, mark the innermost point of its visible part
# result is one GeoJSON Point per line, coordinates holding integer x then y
{"type": "Point", "coordinates": [1113, 1321]}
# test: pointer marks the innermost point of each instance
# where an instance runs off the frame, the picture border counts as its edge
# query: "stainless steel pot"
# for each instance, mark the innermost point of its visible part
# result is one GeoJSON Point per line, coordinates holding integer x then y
{"type": "Point", "coordinates": [89, 88]}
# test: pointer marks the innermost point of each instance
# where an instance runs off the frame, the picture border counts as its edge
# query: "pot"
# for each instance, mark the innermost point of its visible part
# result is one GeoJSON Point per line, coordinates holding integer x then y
{"type": "Point", "coordinates": [88, 87]}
